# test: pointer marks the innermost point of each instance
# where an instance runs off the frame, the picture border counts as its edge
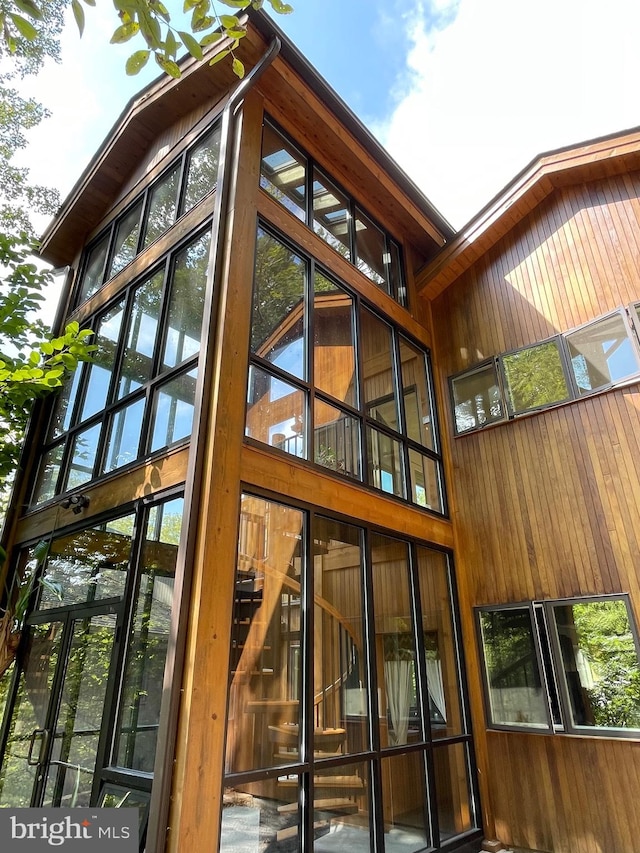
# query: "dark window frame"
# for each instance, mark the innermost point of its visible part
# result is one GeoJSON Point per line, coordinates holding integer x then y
{"type": "Point", "coordinates": [566, 371]}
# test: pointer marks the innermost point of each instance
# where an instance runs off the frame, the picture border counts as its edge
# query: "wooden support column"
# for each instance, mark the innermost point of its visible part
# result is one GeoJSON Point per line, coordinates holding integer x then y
{"type": "Point", "coordinates": [198, 777]}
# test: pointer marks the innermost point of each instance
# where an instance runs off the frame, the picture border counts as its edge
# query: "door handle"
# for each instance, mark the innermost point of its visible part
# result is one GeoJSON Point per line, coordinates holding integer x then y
{"type": "Point", "coordinates": [43, 745]}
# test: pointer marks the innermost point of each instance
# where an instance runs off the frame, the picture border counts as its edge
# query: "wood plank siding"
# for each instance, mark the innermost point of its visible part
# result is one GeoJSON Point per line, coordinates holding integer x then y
{"type": "Point", "coordinates": [546, 506]}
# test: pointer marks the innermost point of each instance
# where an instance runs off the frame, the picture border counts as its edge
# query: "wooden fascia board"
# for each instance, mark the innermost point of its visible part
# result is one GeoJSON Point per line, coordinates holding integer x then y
{"type": "Point", "coordinates": [597, 159]}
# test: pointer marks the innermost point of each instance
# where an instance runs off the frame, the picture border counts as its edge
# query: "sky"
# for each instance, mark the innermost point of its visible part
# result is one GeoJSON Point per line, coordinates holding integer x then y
{"type": "Point", "coordinates": [462, 93]}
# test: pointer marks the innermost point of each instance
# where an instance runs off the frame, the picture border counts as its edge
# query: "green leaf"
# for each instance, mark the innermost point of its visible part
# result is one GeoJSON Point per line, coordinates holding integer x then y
{"type": "Point", "coordinates": [238, 67]}
{"type": "Point", "coordinates": [219, 56]}
{"type": "Point", "coordinates": [199, 24]}
{"type": "Point", "coordinates": [211, 38]}
{"type": "Point", "coordinates": [170, 45]}
{"type": "Point", "coordinates": [189, 4]}
{"type": "Point", "coordinates": [229, 21]}
{"type": "Point", "coordinates": [78, 14]}
{"type": "Point", "coordinates": [237, 4]}
{"type": "Point", "coordinates": [125, 32]}
{"type": "Point", "coordinates": [151, 30]}
{"type": "Point", "coordinates": [24, 27]}
{"type": "Point", "coordinates": [136, 62]}
{"type": "Point", "coordinates": [168, 66]}
{"type": "Point", "coordinates": [191, 44]}
{"type": "Point", "coordinates": [29, 8]}
{"type": "Point", "coordinates": [280, 7]}
{"type": "Point", "coordinates": [235, 33]}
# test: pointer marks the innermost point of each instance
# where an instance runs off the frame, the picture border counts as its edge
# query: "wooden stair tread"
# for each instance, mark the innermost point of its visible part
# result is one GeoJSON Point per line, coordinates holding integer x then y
{"type": "Point", "coordinates": [330, 804]}
{"type": "Point", "coordinates": [354, 782]}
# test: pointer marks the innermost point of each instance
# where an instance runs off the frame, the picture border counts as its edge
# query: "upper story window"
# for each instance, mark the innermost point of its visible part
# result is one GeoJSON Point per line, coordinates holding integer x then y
{"type": "Point", "coordinates": [591, 358]}
{"type": "Point", "coordinates": [137, 395]}
{"type": "Point", "coordinates": [173, 194]}
{"type": "Point", "coordinates": [313, 196]}
{"type": "Point", "coordinates": [335, 383]}
{"type": "Point", "coordinates": [566, 665]}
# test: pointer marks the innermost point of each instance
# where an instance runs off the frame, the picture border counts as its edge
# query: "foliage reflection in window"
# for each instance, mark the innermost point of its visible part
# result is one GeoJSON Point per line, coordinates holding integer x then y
{"type": "Point", "coordinates": [477, 399]}
{"type": "Point", "coordinates": [535, 377]}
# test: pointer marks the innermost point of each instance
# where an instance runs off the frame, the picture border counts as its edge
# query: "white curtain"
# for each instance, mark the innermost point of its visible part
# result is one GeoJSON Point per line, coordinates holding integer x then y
{"type": "Point", "coordinates": [436, 687]}
{"type": "Point", "coordinates": [398, 682]}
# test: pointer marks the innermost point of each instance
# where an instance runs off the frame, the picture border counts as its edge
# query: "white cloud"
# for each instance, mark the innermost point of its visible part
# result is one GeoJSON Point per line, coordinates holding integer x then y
{"type": "Point", "coordinates": [505, 81]}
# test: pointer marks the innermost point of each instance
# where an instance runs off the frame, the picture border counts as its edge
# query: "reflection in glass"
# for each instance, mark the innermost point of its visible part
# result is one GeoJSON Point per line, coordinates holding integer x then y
{"type": "Point", "coordinates": [186, 304]}
{"type": "Point", "coordinates": [283, 172]}
{"type": "Point", "coordinates": [74, 740]}
{"type": "Point", "coordinates": [599, 663]}
{"type": "Point", "coordinates": [84, 447]}
{"type": "Point", "coordinates": [425, 485]}
{"type": "Point", "coordinates": [64, 405]}
{"type": "Point", "coordinates": [341, 819]}
{"type": "Point", "coordinates": [370, 247]}
{"type": "Point", "coordinates": [514, 686]}
{"type": "Point", "coordinates": [94, 268]}
{"type": "Point", "coordinates": [101, 367]}
{"type": "Point", "coordinates": [17, 777]}
{"type": "Point", "coordinates": [404, 795]}
{"type": "Point", "coordinates": [278, 312]}
{"type": "Point", "coordinates": [385, 463]}
{"type": "Point", "coordinates": [451, 772]}
{"type": "Point", "coordinates": [202, 169]}
{"type": "Point", "coordinates": [113, 796]}
{"type": "Point", "coordinates": [415, 391]}
{"type": "Point", "coordinates": [123, 437]}
{"type": "Point", "coordinates": [398, 288]}
{"type": "Point", "coordinates": [163, 202]}
{"type": "Point", "coordinates": [443, 683]}
{"type": "Point", "coordinates": [125, 244]}
{"type": "Point", "coordinates": [379, 385]}
{"type": "Point", "coordinates": [340, 680]}
{"type": "Point", "coordinates": [400, 713]}
{"type": "Point", "coordinates": [48, 471]}
{"type": "Point", "coordinates": [336, 437]}
{"type": "Point", "coordinates": [602, 353]}
{"type": "Point", "coordinates": [174, 407]}
{"type": "Point", "coordinates": [137, 361]}
{"type": "Point", "coordinates": [477, 399]}
{"type": "Point", "coordinates": [331, 216]}
{"type": "Point", "coordinates": [535, 377]}
{"type": "Point", "coordinates": [144, 669]}
{"type": "Point", "coordinates": [264, 698]}
{"type": "Point", "coordinates": [252, 823]}
{"type": "Point", "coordinates": [334, 359]}
{"type": "Point", "coordinates": [276, 412]}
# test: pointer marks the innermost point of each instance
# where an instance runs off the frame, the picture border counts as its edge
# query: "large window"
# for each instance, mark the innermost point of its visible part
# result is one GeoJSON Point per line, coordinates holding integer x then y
{"type": "Point", "coordinates": [312, 196]}
{"type": "Point", "coordinates": [592, 358]}
{"type": "Point", "coordinates": [569, 665]}
{"type": "Point", "coordinates": [173, 194]}
{"type": "Point", "coordinates": [346, 717]}
{"type": "Point", "coordinates": [335, 383]}
{"type": "Point", "coordinates": [137, 395]}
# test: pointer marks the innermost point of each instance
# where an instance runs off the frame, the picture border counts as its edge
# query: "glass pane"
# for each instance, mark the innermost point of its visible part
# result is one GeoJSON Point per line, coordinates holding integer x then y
{"type": "Point", "coordinates": [443, 677]}
{"type": "Point", "coordinates": [123, 439]}
{"type": "Point", "coordinates": [94, 268]}
{"type": "Point", "coordinates": [340, 692]}
{"type": "Point", "coordinates": [186, 304]}
{"type": "Point", "coordinates": [84, 448]}
{"type": "Point", "coordinates": [264, 698]}
{"type": "Point", "coordinates": [283, 172]}
{"type": "Point", "coordinates": [137, 362]}
{"type": "Point", "coordinates": [451, 772]}
{"type": "Point", "coordinates": [261, 817]}
{"type": "Point", "coordinates": [64, 404]}
{"type": "Point", "coordinates": [419, 421]}
{"type": "Point", "coordinates": [174, 408]}
{"type": "Point", "coordinates": [48, 471]}
{"type": "Point", "coordinates": [79, 719]}
{"type": "Point", "coordinates": [400, 714]}
{"type": "Point", "coordinates": [278, 313]}
{"type": "Point", "coordinates": [334, 358]}
{"type": "Point", "coordinates": [276, 413]}
{"type": "Point", "coordinates": [398, 287]}
{"type": "Point", "coordinates": [425, 481]}
{"type": "Point", "coordinates": [380, 393]}
{"type": "Point", "coordinates": [114, 796]}
{"type": "Point", "coordinates": [404, 800]}
{"type": "Point", "coordinates": [515, 690]}
{"type": "Point", "coordinates": [600, 663]}
{"type": "Point", "coordinates": [385, 463]}
{"type": "Point", "coordinates": [341, 818]}
{"type": "Point", "coordinates": [202, 169]}
{"type": "Point", "coordinates": [331, 216]}
{"type": "Point", "coordinates": [17, 777]}
{"type": "Point", "coordinates": [601, 353]}
{"type": "Point", "coordinates": [125, 244]}
{"type": "Point", "coordinates": [89, 565]}
{"type": "Point", "coordinates": [535, 377]}
{"type": "Point", "coordinates": [477, 399]}
{"type": "Point", "coordinates": [163, 203]}
{"type": "Point", "coordinates": [336, 437]}
{"type": "Point", "coordinates": [144, 670]}
{"type": "Point", "coordinates": [102, 361]}
{"type": "Point", "coordinates": [370, 248]}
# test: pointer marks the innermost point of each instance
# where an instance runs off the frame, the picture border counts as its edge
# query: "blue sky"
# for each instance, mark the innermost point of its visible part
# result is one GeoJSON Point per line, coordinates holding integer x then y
{"type": "Point", "coordinates": [463, 93]}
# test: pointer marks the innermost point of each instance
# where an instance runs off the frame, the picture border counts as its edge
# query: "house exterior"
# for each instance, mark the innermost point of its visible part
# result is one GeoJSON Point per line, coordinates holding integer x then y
{"type": "Point", "coordinates": [335, 542]}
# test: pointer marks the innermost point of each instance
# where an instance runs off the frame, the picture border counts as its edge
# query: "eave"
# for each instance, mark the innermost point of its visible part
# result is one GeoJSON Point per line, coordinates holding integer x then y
{"type": "Point", "coordinates": [599, 158]}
